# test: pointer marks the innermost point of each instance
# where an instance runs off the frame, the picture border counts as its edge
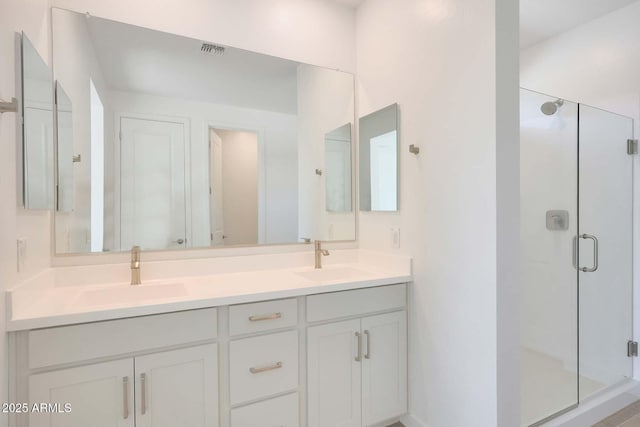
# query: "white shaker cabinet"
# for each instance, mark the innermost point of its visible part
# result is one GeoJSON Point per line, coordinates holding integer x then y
{"type": "Point", "coordinates": [237, 366]}
{"type": "Point", "coordinates": [171, 388]}
{"type": "Point", "coordinates": [384, 367]}
{"type": "Point", "coordinates": [357, 368]}
{"type": "Point", "coordinates": [334, 375]}
{"type": "Point", "coordinates": [99, 395]}
{"type": "Point", "coordinates": [177, 388]}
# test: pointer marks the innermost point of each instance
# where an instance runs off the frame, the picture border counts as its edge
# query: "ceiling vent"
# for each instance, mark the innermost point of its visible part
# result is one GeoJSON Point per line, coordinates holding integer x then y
{"type": "Point", "coordinates": [212, 48]}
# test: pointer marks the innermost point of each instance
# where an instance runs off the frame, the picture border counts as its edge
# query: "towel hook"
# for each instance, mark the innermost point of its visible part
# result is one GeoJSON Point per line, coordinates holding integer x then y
{"type": "Point", "coordinates": [9, 107]}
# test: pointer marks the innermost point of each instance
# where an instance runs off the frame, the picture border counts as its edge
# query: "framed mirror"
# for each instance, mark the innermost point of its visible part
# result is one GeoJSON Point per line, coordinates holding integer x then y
{"type": "Point", "coordinates": [379, 148]}
{"type": "Point", "coordinates": [37, 130]}
{"type": "Point", "coordinates": [181, 143]}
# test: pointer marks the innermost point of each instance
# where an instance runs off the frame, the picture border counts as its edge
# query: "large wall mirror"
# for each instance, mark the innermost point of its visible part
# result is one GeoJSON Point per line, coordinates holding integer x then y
{"type": "Point", "coordinates": [379, 160]}
{"type": "Point", "coordinates": [167, 142]}
{"type": "Point", "coordinates": [37, 131]}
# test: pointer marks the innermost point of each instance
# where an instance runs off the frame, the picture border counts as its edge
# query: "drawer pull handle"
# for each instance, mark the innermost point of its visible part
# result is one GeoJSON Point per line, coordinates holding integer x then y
{"type": "Point", "coordinates": [143, 393]}
{"type": "Point", "coordinates": [266, 368]}
{"type": "Point", "coordinates": [125, 397]}
{"type": "Point", "coordinates": [359, 356]}
{"type": "Point", "coordinates": [273, 316]}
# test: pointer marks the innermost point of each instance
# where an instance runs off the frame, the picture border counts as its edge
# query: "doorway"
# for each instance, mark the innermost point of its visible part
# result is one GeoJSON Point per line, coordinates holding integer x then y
{"type": "Point", "coordinates": [234, 192]}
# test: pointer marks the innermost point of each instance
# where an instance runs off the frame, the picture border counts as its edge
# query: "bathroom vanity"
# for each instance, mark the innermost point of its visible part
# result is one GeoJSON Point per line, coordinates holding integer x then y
{"type": "Point", "coordinates": [307, 348]}
{"type": "Point", "coordinates": [244, 338]}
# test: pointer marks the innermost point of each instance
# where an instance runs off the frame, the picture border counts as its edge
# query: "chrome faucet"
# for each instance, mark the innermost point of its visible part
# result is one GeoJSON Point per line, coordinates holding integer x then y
{"type": "Point", "coordinates": [135, 265]}
{"type": "Point", "coordinates": [319, 253]}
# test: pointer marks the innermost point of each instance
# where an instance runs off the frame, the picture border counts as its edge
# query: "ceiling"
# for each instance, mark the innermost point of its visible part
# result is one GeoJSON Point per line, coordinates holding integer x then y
{"type": "Point", "coordinates": [542, 19]}
{"type": "Point", "coordinates": [163, 64]}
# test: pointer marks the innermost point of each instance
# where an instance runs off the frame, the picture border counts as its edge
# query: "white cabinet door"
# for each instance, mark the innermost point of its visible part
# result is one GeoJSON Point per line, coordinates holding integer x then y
{"type": "Point", "coordinates": [384, 367]}
{"type": "Point", "coordinates": [178, 388]}
{"type": "Point", "coordinates": [334, 375]}
{"type": "Point", "coordinates": [99, 395]}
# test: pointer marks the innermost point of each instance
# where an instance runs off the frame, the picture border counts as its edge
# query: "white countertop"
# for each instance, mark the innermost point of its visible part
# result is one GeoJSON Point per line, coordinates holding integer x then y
{"type": "Point", "coordinates": [60, 296]}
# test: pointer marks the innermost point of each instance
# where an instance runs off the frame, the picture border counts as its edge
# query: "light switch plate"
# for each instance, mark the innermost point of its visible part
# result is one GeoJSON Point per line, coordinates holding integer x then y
{"type": "Point", "coordinates": [21, 252]}
{"type": "Point", "coordinates": [557, 220]}
{"type": "Point", "coordinates": [395, 237]}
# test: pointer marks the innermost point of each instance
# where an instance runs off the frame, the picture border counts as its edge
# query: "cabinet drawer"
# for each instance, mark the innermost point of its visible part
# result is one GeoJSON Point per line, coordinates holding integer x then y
{"type": "Point", "coordinates": [280, 411]}
{"type": "Point", "coordinates": [263, 366]}
{"type": "Point", "coordinates": [262, 316]}
{"type": "Point", "coordinates": [355, 303]}
{"type": "Point", "coordinates": [75, 343]}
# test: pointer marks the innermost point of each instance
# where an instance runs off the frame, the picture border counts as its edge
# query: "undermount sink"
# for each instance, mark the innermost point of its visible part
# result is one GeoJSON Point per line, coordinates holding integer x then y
{"type": "Point", "coordinates": [331, 273]}
{"type": "Point", "coordinates": [131, 293]}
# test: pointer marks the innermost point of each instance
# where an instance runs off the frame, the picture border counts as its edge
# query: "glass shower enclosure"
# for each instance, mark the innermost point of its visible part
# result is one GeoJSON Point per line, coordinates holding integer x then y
{"type": "Point", "coordinates": [576, 245]}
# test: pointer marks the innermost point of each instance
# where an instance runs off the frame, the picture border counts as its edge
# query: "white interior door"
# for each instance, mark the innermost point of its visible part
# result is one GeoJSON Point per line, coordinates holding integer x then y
{"type": "Point", "coordinates": [100, 395]}
{"type": "Point", "coordinates": [216, 189]}
{"type": "Point", "coordinates": [152, 184]}
{"type": "Point", "coordinates": [178, 388]}
{"type": "Point", "coordinates": [605, 219]}
{"type": "Point", "coordinates": [334, 375]}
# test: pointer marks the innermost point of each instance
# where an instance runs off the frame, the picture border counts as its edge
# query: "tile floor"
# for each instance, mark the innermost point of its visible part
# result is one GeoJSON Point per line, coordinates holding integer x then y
{"type": "Point", "coordinates": [626, 417]}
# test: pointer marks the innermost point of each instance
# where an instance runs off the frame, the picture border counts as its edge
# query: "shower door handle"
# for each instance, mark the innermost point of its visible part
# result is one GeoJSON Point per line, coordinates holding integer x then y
{"type": "Point", "coordinates": [595, 253]}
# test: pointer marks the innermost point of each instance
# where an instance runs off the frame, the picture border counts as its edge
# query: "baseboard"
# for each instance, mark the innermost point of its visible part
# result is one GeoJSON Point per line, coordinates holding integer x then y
{"type": "Point", "coordinates": [411, 421]}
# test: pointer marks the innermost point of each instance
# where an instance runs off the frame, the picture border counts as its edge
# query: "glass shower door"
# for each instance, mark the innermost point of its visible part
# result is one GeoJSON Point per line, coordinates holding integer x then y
{"type": "Point", "coordinates": [549, 222]}
{"type": "Point", "coordinates": [604, 249]}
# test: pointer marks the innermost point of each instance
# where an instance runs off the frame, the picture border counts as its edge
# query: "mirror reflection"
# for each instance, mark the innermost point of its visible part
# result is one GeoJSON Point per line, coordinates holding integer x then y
{"type": "Point", "coordinates": [337, 160]}
{"type": "Point", "coordinates": [66, 158]}
{"type": "Point", "coordinates": [185, 144]}
{"type": "Point", "coordinates": [379, 160]}
{"type": "Point", "coordinates": [38, 144]}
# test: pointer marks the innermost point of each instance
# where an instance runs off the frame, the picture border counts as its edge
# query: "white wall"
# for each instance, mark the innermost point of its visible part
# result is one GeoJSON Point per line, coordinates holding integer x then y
{"type": "Point", "coordinates": [325, 103]}
{"type": "Point", "coordinates": [280, 153]}
{"type": "Point", "coordinates": [456, 86]}
{"type": "Point", "coordinates": [598, 64]}
{"type": "Point", "coordinates": [30, 16]}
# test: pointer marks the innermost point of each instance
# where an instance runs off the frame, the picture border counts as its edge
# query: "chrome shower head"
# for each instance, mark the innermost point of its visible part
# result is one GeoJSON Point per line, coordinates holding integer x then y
{"type": "Point", "coordinates": [550, 108]}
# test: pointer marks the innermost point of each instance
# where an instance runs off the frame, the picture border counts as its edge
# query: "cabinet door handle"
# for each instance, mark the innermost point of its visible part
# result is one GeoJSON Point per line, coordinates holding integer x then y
{"type": "Point", "coordinates": [257, 370]}
{"type": "Point", "coordinates": [143, 393]}
{"type": "Point", "coordinates": [359, 356]}
{"type": "Point", "coordinates": [125, 397]}
{"type": "Point", "coordinates": [273, 316]}
{"type": "Point", "coordinates": [367, 355]}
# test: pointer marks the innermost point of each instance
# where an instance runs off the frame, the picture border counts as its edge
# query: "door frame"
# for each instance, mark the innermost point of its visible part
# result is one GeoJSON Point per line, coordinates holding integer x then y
{"type": "Point", "coordinates": [117, 211]}
{"type": "Point", "coordinates": [262, 172]}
